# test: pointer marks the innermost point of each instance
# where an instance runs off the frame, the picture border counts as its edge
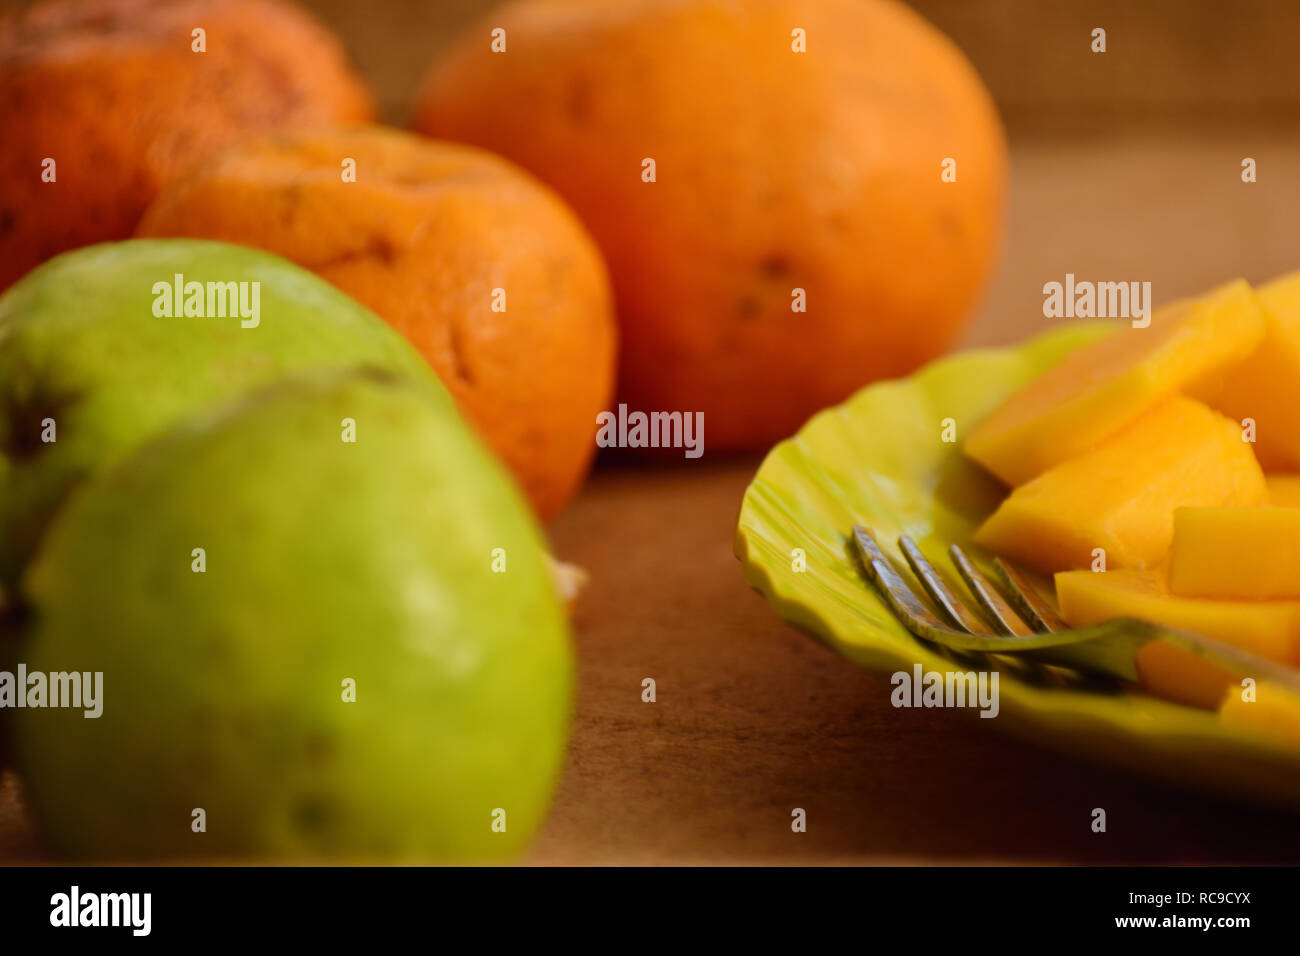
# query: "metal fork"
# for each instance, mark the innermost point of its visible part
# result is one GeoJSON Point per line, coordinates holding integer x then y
{"type": "Point", "coordinates": [1016, 621]}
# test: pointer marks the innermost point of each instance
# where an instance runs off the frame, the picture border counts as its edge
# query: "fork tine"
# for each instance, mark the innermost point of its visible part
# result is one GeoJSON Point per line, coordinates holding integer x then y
{"type": "Point", "coordinates": [1106, 650]}
{"type": "Point", "coordinates": [917, 618]}
{"type": "Point", "coordinates": [901, 600]}
{"type": "Point", "coordinates": [1026, 599]}
{"type": "Point", "coordinates": [1002, 613]}
{"type": "Point", "coordinates": [949, 604]}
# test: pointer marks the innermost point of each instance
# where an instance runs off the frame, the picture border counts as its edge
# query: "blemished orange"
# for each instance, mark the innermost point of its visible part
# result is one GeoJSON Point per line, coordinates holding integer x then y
{"type": "Point", "coordinates": [116, 95]}
{"type": "Point", "coordinates": [799, 152]}
{"type": "Point", "coordinates": [480, 266]}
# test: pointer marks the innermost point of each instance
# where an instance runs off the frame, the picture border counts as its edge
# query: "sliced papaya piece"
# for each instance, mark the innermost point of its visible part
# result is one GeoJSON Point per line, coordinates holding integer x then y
{"type": "Point", "coordinates": [1283, 490]}
{"type": "Point", "coordinates": [1100, 388]}
{"type": "Point", "coordinates": [1246, 553]}
{"type": "Point", "coordinates": [1121, 495]}
{"type": "Point", "coordinates": [1263, 387]}
{"type": "Point", "coordinates": [1270, 629]}
{"type": "Point", "coordinates": [1273, 714]}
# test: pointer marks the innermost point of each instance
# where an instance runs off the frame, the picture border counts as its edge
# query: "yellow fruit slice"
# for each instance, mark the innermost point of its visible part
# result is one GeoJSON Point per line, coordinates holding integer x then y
{"type": "Point", "coordinates": [1283, 490]}
{"type": "Point", "coordinates": [1273, 713]}
{"type": "Point", "coordinates": [1100, 388]}
{"type": "Point", "coordinates": [1250, 553]}
{"type": "Point", "coordinates": [1121, 496]}
{"type": "Point", "coordinates": [1270, 629]}
{"type": "Point", "coordinates": [1266, 386]}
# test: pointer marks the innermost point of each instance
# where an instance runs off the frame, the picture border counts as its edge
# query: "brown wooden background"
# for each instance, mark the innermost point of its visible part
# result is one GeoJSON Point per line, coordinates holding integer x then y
{"type": "Point", "coordinates": [1033, 54]}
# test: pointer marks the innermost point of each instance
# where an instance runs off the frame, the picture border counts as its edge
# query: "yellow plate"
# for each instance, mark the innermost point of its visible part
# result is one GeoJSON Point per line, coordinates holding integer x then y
{"type": "Point", "coordinates": [878, 460]}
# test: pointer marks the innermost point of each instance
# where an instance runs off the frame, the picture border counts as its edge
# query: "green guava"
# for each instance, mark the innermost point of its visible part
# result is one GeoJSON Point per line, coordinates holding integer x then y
{"type": "Point", "coordinates": [348, 668]}
{"type": "Point", "coordinates": [93, 360]}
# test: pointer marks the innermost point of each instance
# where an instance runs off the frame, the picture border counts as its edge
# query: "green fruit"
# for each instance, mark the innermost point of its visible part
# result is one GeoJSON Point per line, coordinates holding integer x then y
{"type": "Point", "coordinates": [326, 561]}
{"type": "Point", "coordinates": [82, 347]}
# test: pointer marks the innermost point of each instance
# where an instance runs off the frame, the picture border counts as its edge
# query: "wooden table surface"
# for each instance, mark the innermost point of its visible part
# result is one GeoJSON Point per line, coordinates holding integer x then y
{"type": "Point", "coordinates": [753, 719]}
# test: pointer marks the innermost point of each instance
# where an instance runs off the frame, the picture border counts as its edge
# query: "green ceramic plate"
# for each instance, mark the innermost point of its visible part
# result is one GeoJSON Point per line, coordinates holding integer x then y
{"type": "Point", "coordinates": [878, 460]}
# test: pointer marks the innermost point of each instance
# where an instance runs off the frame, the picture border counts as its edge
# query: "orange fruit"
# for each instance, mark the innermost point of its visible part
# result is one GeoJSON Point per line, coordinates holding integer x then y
{"type": "Point", "coordinates": [774, 171]}
{"type": "Point", "coordinates": [481, 267]}
{"type": "Point", "coordinates": [114, 92]}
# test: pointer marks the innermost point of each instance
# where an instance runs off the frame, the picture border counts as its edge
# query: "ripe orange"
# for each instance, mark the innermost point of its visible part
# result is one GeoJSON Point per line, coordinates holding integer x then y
{"type": "Point", "coordinates": [775, 171]}
{"type": "Point", "coordinates": [114, 92]}
{"type": "Point", "coordinates": [481, 267]}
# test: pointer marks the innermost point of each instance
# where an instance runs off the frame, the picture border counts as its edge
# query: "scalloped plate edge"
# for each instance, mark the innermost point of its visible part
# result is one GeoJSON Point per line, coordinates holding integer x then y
{"type": "Point", "coordinates": [1211, 757]}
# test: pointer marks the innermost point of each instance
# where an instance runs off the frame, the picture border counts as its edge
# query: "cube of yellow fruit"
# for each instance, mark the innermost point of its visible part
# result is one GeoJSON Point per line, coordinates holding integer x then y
{"type": "Point", "coordinates": [1283, 490]}
{"type": "Point", "coordinates": [1251, 553]}
{"type": "Point", "coordinates": [1270, 629]}
{"type": "Point", "coordinates": [1266, 386]}
{"type": "Point", "coordinates": [1097, 390]}
{"type": "Point", "coordinates": [1273, 714]}
{"type": "Point", "coordinates": [1121, 496]}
